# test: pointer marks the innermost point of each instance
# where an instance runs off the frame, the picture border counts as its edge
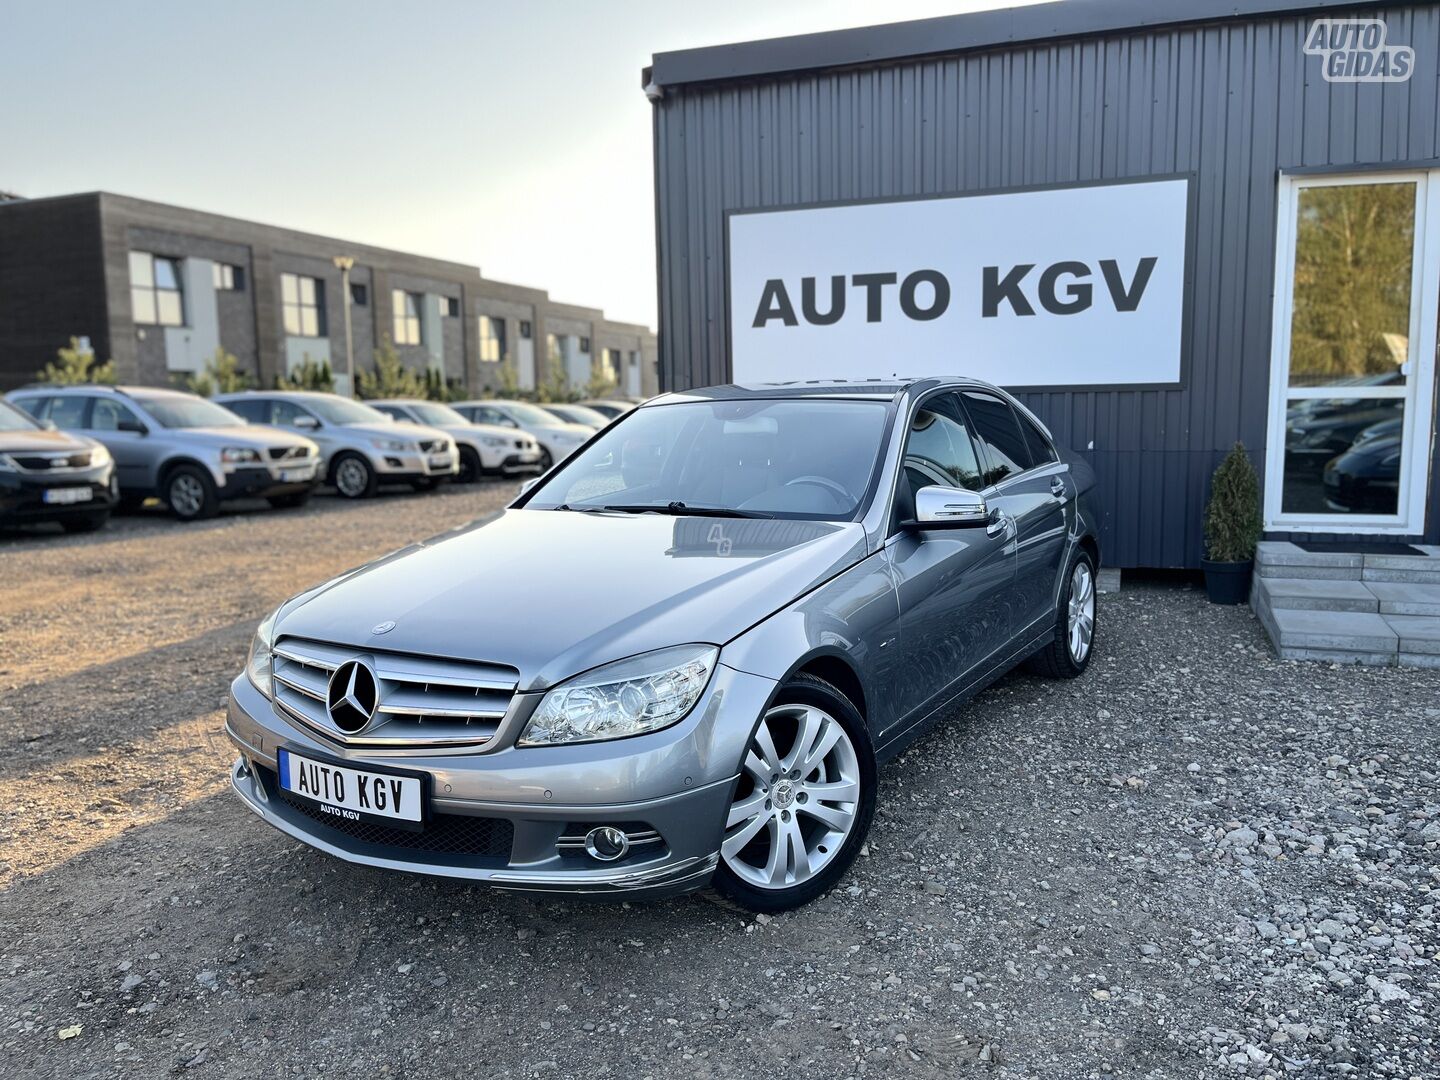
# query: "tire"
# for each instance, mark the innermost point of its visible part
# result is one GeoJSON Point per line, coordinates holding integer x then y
{"type": "Point", "coordinates": [545, 461]}
{"type": "Point", "coordinates": [470, 468]}
{"type": "Point", "coordinates": [289, 502]}
{"type": "Point", "coordinates": [807, 711]}
{"type": "Point", "coordinates": [86, 523]}
{"type": "Point", "coordinates": [353, 476]}
{"type": "Point", "coordinates": [190, 493]}
{"type": "Point", "coordinates": [1059, 659]}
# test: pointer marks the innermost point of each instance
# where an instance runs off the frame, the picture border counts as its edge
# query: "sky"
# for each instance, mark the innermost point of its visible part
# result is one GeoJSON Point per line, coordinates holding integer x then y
{"type": "Point", "coordinates": [509, 135]}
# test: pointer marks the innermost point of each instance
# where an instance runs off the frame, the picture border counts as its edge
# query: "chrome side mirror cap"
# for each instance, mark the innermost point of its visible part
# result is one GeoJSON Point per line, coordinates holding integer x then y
{"type": "Point", "coordinates": [939, 507]}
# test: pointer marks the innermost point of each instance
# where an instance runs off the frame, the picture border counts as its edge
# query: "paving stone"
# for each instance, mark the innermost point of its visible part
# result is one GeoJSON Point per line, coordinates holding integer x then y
{"type": "Point", "coordinates": [1417, 633]}
{"type": "Point", "coordinates": [1406, 597]}
{"type": "Point", "coordinates": [1419, 577]}
{"type": "Point", "coordinates": [1331, 573]}
{"type": "Point", "coordinates": [1418, 660]}
{"type": "Point", "coordinates": [1317, 594]}
{"type": "Point", "coordinates": [1284, 553]}
{"type": "Point", "coordinates": [1404, 562]}
{"type": "Point", "coordinates": [1347, 631]}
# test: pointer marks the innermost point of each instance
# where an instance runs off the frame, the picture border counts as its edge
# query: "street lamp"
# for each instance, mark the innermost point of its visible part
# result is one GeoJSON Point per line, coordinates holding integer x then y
{"type": "Point", "coordinates": [345, 263]}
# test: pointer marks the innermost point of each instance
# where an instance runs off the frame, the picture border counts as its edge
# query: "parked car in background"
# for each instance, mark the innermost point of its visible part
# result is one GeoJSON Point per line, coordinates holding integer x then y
{"type": "Point", "coordinates": [190, 452]}
{"type": "Point", "coordinates": [798, 581]}
{"type": "Point", "coordinates": [577, 414]}
{"type": "Point", "coordinates": [608, 408]}
{"type": "Point", "coordinates": [360, 447]}
{"type": "Point", "coordinates": [485, 449]}
{"type": "Point", "coordinates": [49, 475]}
{"type": "Point", "coordinates": [558, 438]}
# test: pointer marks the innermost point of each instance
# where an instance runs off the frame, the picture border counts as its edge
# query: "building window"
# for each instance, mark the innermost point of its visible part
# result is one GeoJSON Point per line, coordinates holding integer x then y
{"type": "Point", "coordinates": [552, 349]}
{"type": "Point", "coordinates": [407, 317]}
{"type": "Point", "coordinates": [359, 294]}
{"type": "Point", "coordinates": [526, 330]}
{"type": "Point", "coordinates": [155, 295]}
{"type": "Point", "coordinates": [492, 339]}
{"type": "Point", "coordinates": [302, 302]}
{"type": "Point", "coordinates": [607, 366]}
{"type": "Point", "coordinates": [585, 345]}
{"type": "Point", "coordinates": [228, 278]}
{"type": "Point", "coordinates": [450, 307]}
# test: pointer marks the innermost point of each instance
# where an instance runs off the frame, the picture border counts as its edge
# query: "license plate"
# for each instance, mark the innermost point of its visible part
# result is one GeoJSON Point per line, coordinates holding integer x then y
{"type": "Point", "coordinates": [440, 461]}
{"type": "Point", "coordinates": [67, 496]}
{"type": "Point", "coordinates": [352, 794]}
{"type": "Point", "coordinates": [290, 476]}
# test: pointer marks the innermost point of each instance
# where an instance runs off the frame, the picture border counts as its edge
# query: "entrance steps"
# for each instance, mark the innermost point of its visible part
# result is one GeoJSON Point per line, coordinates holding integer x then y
{"type": "Point", "coordinates": [1348, 607]}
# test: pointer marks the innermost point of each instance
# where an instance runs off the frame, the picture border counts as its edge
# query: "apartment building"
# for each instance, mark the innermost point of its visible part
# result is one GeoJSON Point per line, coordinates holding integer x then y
{"type": "Point", "coordinates": [159, 288]}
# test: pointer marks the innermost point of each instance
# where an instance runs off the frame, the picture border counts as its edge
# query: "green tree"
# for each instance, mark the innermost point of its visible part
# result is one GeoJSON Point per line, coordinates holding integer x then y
{"type": "Point", "coordinates": [507, 384]}
{"type": "Point", "coordinates": [601, 384]}
{"type": "Point", "coordinates": [556, 387]}
{"type": "Point", "coordinates": [308, 376]}
{"type": "Point", "coordinates": [440, 388]}
{"type": "Point", "coordinates": [1232, 516]}
{"type": "Point", "coordinates": [73, 366]}
{"type": "Point", "coordinates": [222, 375]}
{"type": "Point", "coordinates": [391, 378]}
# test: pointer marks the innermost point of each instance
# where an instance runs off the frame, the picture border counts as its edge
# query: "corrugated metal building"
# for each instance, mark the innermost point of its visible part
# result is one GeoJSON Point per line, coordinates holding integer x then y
{"type": "Point", "coordinates": [1307, 222]}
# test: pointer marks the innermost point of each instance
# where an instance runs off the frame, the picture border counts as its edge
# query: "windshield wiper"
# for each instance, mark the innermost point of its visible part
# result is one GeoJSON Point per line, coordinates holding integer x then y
{"type": "Point", "coordinates": [680, 509]}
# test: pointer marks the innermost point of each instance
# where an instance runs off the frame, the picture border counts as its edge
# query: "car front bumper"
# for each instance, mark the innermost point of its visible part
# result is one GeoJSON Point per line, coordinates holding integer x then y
{"type": "Point", "coordinates": [414, 465]}
{"type": "Point", "coordinates": [529, 802]}
{"type": "Point", "coordinates": [22, 494]}
{"type": "Point", "coordinates": [261, 481]}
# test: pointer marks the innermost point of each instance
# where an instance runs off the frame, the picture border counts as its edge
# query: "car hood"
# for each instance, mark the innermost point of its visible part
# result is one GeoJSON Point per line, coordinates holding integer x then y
{"type": "Point", "coordinates": [475, 431]}
{"type": "Point", "coordinates": [253, 436]}
{"type": "Point", "coordinates": [43, 442]}
{"type": "Point", "coordinates": [554, 593]}
{"type": "Point", "coordinates": [400, 429]}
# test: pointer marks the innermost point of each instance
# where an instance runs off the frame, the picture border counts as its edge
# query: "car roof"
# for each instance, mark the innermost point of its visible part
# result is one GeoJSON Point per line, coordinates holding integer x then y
{"type": "Point", "coordinates": [872, 389]}
{"type": "Point", "coordinates": [104, 388]}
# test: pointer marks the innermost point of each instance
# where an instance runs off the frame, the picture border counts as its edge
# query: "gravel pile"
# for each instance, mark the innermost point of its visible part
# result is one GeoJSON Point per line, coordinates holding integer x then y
{"type": "Point", "coordinates": [1197, 861]}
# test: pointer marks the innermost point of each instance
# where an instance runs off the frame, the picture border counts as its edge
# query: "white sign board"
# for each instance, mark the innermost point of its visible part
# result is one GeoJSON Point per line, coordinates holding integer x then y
{"type": "Point", "coordinates": [1079, 286]}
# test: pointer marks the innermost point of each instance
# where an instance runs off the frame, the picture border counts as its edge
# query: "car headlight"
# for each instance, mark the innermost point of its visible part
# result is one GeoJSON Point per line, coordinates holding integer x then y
{"type": "Point", "coordinates": [629, 697]}
{"type": "Point", "coordinates": [493, 440]}
{"type": "Point", "coordinates": [393, 445]}
{"type": "Point", "coordinates": [99, 456]}
{"type": "Point", "coordinates": [239, 455]}
{"type": "Point", "coordinates": [259, 663]}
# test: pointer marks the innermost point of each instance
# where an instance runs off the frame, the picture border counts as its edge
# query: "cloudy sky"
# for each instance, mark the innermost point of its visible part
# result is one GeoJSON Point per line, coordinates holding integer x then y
{"type": "Point", "coordinates": [509, 135]}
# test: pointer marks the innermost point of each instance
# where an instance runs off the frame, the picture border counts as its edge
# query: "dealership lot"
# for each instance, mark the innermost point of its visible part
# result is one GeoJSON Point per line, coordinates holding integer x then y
{"type": "Point", "coordinates": [1195, 860]}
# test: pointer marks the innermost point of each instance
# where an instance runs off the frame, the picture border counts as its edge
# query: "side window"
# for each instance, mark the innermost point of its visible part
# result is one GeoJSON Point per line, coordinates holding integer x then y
{"type": "Point", "coordinates": [1041, 452]}
{"type": "Point", "coordinates": [392, 411]}
{"type": "Point", "coordinates": [107, 415]}
{"type": "Point", "coordinates": [486, 414]}
{"type": "Point", "coordinates": [999, 433]}
{"type": "Point", "coordinates": [250, 410]}
{"type": "Point", "coordinates": [939, 449]}
{"type": "Point", "coordinates": [67, 411]}
{"type": "Point", "coordinates": [285, 413]}
{"type": "Point", "coordinates": [38, 407]}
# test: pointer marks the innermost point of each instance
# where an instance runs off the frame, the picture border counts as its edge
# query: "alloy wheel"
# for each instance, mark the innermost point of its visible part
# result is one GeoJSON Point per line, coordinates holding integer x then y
{"type": "Point", "coordinates": [350, 478]}
{"type": "Point", "coordinates": [793, 808]}
{"type": "Point", "coordinates": [187, 495]}
{"type": "Point", "coordinates": [1080, 619]}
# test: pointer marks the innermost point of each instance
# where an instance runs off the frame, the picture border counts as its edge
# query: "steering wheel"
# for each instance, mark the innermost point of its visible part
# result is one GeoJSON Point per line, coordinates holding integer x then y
{"type": "Point", "coordinates": [844, 497]}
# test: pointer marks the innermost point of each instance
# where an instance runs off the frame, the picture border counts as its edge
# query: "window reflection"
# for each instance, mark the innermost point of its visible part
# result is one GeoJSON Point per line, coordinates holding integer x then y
{"type": "Point", "coordinates": [1342, 456]}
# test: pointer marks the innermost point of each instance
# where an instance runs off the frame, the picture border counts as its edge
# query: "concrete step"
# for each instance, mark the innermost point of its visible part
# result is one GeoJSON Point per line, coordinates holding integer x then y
{"type": "Point", "coordinates": [1314, 594]}
{"type": "Point", "coordinates": [1280, 558]}
{"type": "Point", "coordinates": [1419, 637]}
{"type": "Point", "coordinates": [1406, 597]}
{"type": "Point", "coordinates": [1349, 637]}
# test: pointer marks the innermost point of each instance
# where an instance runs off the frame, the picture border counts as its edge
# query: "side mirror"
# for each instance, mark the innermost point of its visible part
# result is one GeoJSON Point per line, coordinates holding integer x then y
{"type": "Point", "coordinates": [939, 507]}
{"type": "Point", "coordinates": [526, 485]}
{"type": "Point", "coordinates": [132, 426]}
{"type": "Point", "coordinates": [308, 423]}
{"type": "Point", "coordinates": [49, 425]}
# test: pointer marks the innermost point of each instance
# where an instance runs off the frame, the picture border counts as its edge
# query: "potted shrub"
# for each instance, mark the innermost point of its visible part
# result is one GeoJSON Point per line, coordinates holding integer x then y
{"type": "Point", "coordinates": [1232, 529]}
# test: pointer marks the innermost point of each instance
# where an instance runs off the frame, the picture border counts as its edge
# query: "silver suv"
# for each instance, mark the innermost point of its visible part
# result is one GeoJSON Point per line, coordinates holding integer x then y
{"type": "Point", "coordinates": [190, 452]}
{"type": "Point", "coordinates": [734, 604]}
{"type": "Point", "coordinates": [362, 448]}
{"type": "Point", "coordinates": [485, 449]}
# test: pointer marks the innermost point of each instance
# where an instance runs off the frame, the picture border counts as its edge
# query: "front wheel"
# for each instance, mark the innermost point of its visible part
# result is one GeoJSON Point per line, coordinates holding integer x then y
{"type": "Point", "coordinates": [1068, 655]}
{"type": "Point", "coordinates": [190, 493]}
{"type": "Point", "coordinates": [545, 461]}
{"type": "Point", "coordinates": [353, 477]}
{"type": "Point", "coordinates": [804, 801]}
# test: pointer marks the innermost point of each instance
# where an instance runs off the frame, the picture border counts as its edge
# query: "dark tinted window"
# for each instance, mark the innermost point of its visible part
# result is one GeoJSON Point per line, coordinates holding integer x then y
{"type": "Point", "coordinates": [257, 412]}
{"type": "Point", "coordinates": [939, 449]}
{"type": "Point", "coordinates": [1041, 452]}
{"type": "Point", "coordinates": [107, 415]}
{"type": "Point", "coordinates": [999, 432]}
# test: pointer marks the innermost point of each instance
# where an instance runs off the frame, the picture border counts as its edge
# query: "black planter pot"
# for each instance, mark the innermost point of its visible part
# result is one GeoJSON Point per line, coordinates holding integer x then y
{"type": "Point", "coordinates": [1227, 582]}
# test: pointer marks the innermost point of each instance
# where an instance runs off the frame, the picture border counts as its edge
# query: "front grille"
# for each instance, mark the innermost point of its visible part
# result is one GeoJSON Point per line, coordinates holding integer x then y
{"type": "Point", "coordinates": [288, 453]}
{"type": "Point", "coordinates": [521, 444]}
{"type": "Point", "coordinates": [423, 702]}
{"type": "Point", "coordinates": [50, 462]}
{"type": "Point", "coordinates": [447, 834]}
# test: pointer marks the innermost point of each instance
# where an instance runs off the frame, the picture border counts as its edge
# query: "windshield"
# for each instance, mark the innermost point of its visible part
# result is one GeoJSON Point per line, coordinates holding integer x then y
{"type": "Point", "coordinates": [579, 414]}
{"type": "Point", "coordinates": [188, 412]}
{"type": "Point", "coordinates": [779, 458]}
{"type": "Point", "coordinates": [438, 415]}
{"type": "Point", "coordinates": [338, 410]}
{"type": "Point", "coordinates": [12, 419]}
{"type": "Point", "coordinates": [529, 414]}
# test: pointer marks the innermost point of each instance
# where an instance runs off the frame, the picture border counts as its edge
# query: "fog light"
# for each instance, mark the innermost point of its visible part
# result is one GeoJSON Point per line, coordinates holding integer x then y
{"type": "Point", "coordinates": [606, 843]}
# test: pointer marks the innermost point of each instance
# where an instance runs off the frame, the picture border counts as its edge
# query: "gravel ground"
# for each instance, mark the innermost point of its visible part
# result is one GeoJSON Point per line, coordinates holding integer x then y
{"type": "Point", "coordinates": [1195, 861]}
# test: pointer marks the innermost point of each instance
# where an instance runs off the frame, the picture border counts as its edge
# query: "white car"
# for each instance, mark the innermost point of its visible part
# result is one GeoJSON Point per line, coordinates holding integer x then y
{"type": "Point", "coordinates": [362, 447]}
{"type": "Point", "coordinates": [557, 438]}
{"type": "Point", "coordinates": [484, 448]}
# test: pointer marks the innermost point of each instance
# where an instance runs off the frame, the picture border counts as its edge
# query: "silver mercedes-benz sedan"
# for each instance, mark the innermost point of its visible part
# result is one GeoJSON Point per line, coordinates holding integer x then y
{"type": "Point", "coordinates": [678, 658]}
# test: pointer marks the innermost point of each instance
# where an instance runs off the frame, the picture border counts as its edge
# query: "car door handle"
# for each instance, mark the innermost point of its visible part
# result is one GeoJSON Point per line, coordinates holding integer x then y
{"type": "Point", "coordinates": [1001, 522]}
{"type": "Point", "coordinates": [1057, 488]}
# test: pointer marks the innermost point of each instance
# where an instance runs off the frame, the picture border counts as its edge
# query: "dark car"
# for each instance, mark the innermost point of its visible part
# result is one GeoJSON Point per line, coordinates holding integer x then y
{"type": "Point", "coordinates": [48, 475]}
{"type": "Point", "coordinates": [1366, 478]}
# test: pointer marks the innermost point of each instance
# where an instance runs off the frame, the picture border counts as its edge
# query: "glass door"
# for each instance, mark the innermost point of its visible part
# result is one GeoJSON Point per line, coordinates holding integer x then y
{"type": "Point", "coordinates": [1353, 360]}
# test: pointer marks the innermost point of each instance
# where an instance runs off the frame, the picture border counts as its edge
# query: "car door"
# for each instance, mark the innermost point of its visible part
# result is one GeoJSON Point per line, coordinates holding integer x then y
{"type": "Point", "coordinates": [1035, 494]}
{"type": "Point", "coordinates": [295, 417]}
{"type": "Point", "coordinates": [124, 434]}
{"type": "Point", "coordinates": [953, 583]}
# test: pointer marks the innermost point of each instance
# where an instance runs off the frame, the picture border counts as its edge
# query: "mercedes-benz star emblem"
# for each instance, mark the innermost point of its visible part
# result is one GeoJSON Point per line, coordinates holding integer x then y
{"type": "Point", "coordinates": [352, 696]}
{"type": "Point", "coordinates": [384, 627]}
